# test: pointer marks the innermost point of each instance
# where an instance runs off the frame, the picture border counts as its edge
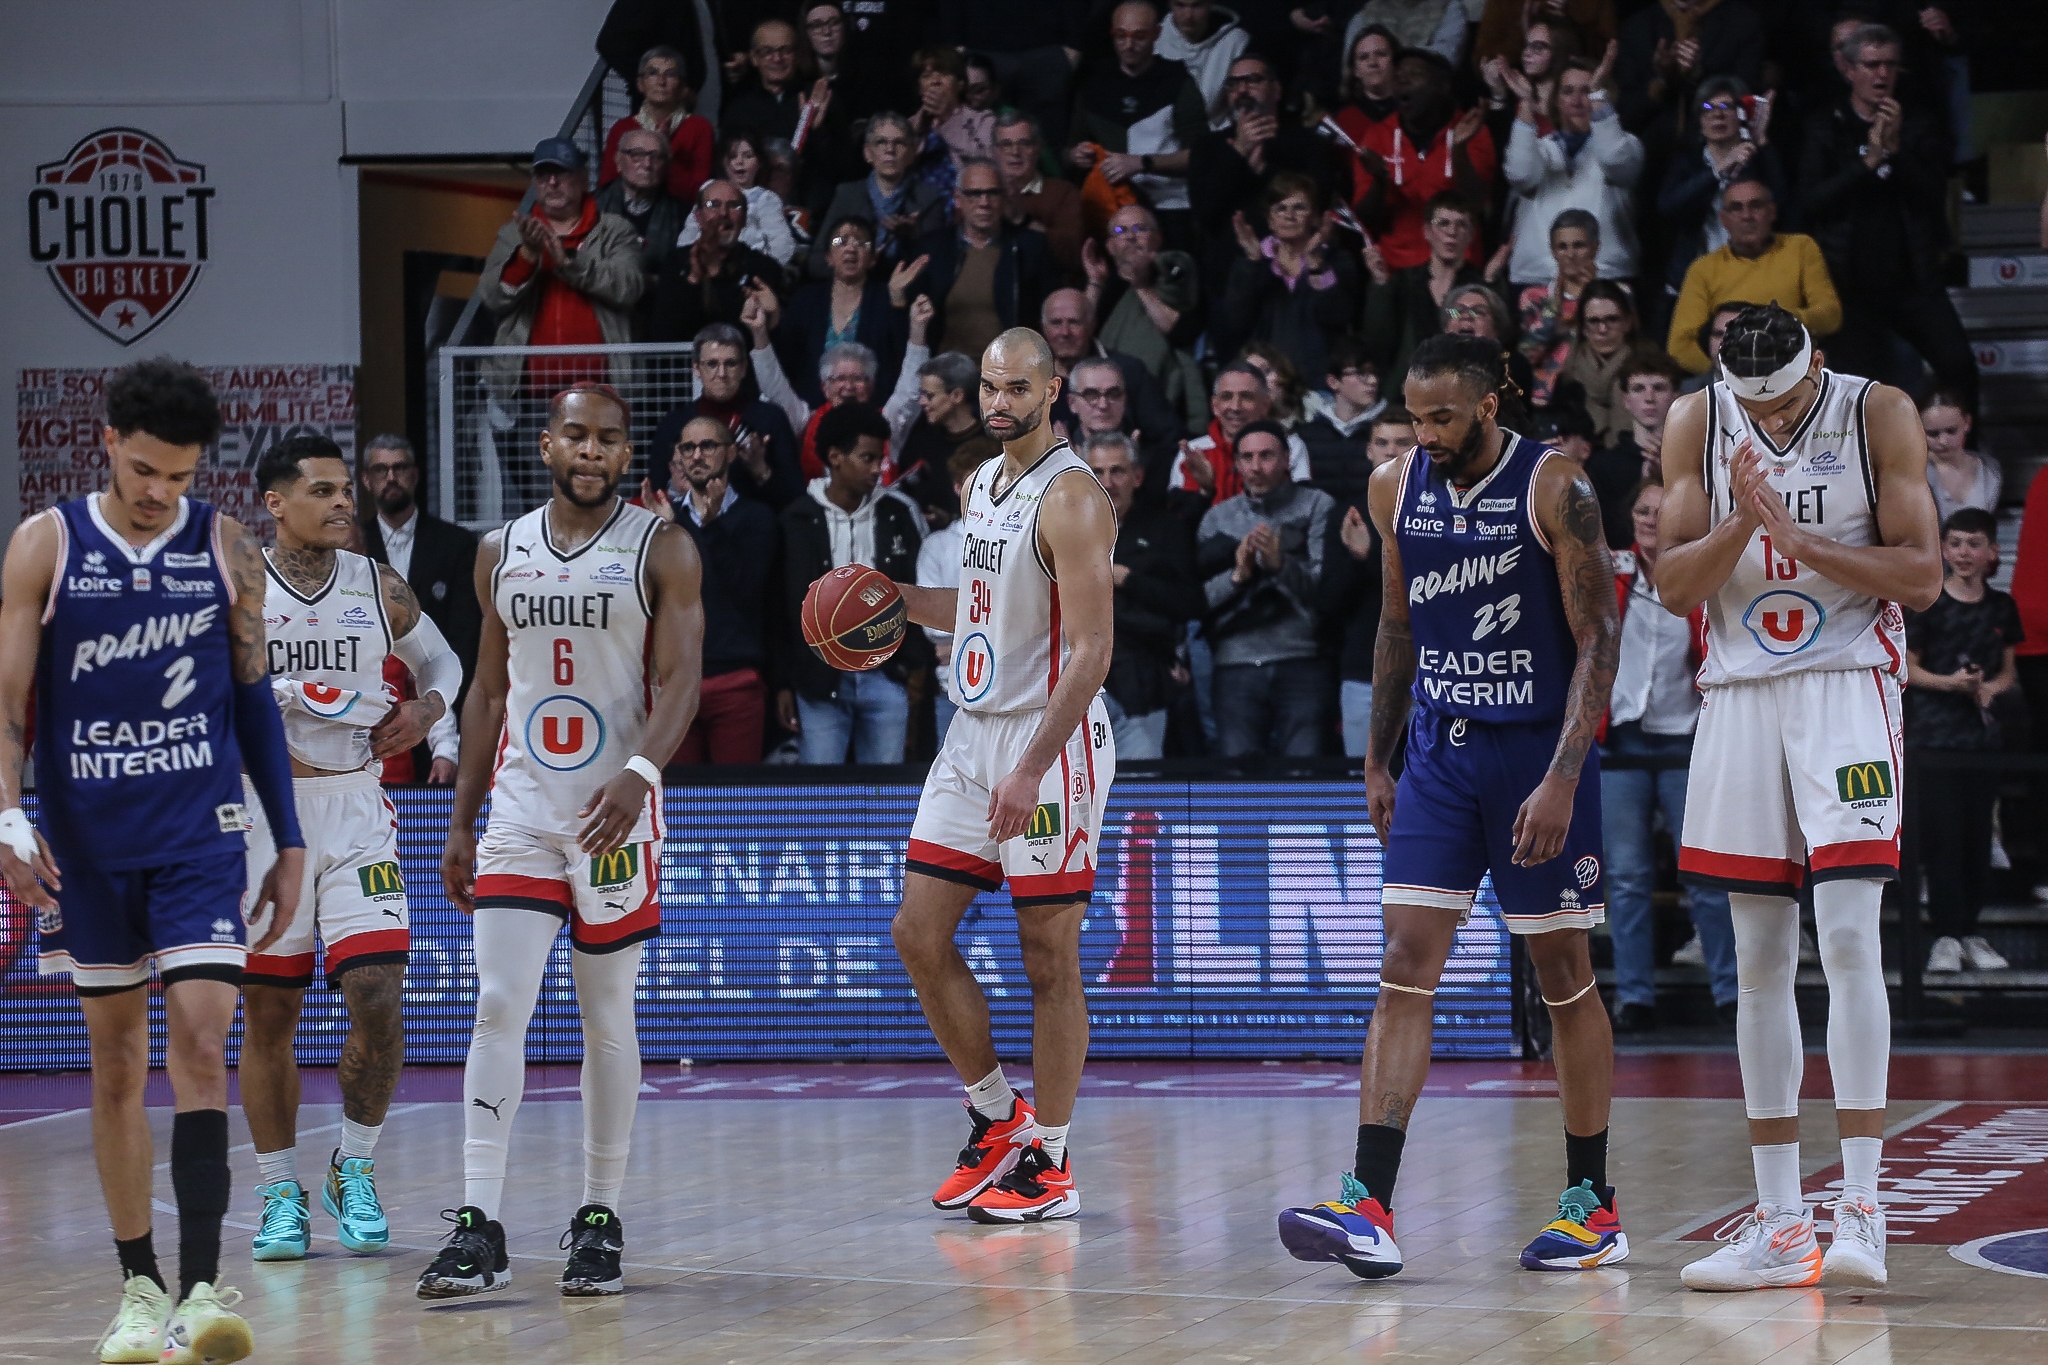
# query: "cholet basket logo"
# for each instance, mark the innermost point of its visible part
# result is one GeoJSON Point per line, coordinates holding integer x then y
{"type": "Point", "coordinates": [122, 224]}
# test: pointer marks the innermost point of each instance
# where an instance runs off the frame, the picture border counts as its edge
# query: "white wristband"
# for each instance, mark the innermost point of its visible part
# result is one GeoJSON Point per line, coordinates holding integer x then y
{"type": "Point", "coordinates": [17, 834]}
{"type": "Point", "coordinates": [645, 767]}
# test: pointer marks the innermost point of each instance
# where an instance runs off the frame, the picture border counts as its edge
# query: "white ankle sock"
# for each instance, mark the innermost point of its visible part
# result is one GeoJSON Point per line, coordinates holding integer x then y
{"type": "Point", "coordinates": [1860, 1156]}
{"type": "Point", "coordinates": [272, 1167]}
{"type": "Point", "coordinates": [991, 1096]}
{"type": "Point", "coordinates": [1777, 1176]}
{"type": "Point", "coordinates": [1054, 1141]}
{"type": "Point", "coordinates": [359, 1139]}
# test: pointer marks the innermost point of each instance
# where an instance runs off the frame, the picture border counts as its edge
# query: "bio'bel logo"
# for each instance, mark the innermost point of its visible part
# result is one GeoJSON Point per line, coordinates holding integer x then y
{"type": "Point", "coordinates": [617, 868]}
{"type": "Point", "coordinates": [121, 223]}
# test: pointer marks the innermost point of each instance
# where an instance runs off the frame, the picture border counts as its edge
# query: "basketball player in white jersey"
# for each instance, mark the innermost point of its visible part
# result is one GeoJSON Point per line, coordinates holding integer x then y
{"type": "Point", "coordinates": [1017, 791]}
{"type": "Point", "coordinates": [331, 617]}
{"type": "Point", "coordinates": [1796, 508]}
{"type": "Point", "coordinates": [586, 681]}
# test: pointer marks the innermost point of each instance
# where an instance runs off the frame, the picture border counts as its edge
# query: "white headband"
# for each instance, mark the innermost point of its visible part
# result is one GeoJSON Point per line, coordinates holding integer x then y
{"type": "Point", "coordinates": [1778, 381]}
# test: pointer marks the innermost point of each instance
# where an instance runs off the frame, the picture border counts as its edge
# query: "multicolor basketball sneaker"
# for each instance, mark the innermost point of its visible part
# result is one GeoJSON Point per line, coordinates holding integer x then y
{"type": "Point", "coordinates": [1353, 1230]}
{"type": "Point", "coordinates": [991, 1153]}
{"type": "Point", "coordinates": [1856, 1251]}
{"type": "Point", "coordinates": [350, 1194]}
{"type": "Point", "coordinates": [1585, 1234]}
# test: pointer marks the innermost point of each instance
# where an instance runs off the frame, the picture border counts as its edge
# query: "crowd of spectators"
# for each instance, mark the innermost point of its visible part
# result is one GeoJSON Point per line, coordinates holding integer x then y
{"type": "Point", "coordinates": [1233, 227]}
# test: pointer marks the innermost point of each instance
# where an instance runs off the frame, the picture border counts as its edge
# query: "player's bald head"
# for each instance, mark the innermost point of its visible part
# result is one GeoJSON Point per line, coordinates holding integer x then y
{"type": "Point", "coordinates": [1020, 347]}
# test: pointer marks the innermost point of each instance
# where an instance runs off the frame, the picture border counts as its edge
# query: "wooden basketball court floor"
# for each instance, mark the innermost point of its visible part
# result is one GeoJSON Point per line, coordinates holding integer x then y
{"type": "Point", "coordinates": [782, 1214]}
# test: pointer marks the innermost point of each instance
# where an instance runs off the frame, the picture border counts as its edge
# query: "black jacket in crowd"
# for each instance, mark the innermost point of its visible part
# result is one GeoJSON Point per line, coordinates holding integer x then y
{"type": "Point", "coordinates": [807, 557]}
{"type": "Point", "coordinates": [807, 317]}
{"type": "Point", "coordinates": [1348, 595]}
{"type": "Point", "coordinates": [1878, 229]}
{"type": "Point", "coordinates": [1024, 275]}
{"type": "Point", "coordinates": [739, 549]}
{"type": "Point", "coordinates": [785, 466]}
{"type": "Point", "coordinates": [443, 576]}
{"type": "Point", "coordinates": [1146, 410]}
{"type": "Point", "coordinates": [681, 308]}
{"type": "Point", "coordinates": [1153, 607]}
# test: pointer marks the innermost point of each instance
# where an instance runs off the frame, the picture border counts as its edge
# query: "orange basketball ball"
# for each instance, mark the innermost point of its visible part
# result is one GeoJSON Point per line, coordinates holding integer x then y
{"type": "Point", "coordinates": [854, 618]}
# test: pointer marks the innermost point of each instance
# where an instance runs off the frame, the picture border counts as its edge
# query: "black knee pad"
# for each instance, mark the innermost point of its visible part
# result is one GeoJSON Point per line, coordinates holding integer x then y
{"type": "Point", "coordinates": [199, 1161]}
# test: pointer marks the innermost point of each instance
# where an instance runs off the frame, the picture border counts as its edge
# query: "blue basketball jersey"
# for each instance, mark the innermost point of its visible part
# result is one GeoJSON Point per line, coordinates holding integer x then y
{"type": "Point", "coordinates": [1491, 639]}
{"type": "Point", "coordinates": [136, 760]}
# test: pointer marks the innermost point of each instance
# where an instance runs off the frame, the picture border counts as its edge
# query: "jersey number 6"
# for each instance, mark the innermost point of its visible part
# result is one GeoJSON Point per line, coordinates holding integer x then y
{"type": "Point", "coordinates": [565, 665]}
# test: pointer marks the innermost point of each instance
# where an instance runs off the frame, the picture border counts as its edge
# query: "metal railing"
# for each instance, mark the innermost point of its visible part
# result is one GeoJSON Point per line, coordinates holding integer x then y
{"type": "Point", "coordinates": [491, 403]}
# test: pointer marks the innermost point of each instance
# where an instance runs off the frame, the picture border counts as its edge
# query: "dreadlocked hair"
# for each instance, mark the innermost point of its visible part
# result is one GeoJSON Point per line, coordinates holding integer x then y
{"type": "Point", "coordinates": [1480, 362]}
{"type": "Point", "coordinates": [1760, 340]}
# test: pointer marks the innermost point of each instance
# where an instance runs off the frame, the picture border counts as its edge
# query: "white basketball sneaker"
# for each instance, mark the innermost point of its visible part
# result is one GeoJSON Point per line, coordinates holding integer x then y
{"type": "Point", "coordinates": [137, 1332]}
{"type": "Point", "coordinates": [1766, 1249]}
{"type": "Point", "coordinates": [206, 1330]}
{"type": "Point", "coordinates": [1856, 1252]}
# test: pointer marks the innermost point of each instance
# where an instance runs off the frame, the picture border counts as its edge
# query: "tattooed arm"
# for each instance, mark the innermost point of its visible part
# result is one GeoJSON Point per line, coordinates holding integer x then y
{"type": "Point", "coordinates": [407, 723]}
{"type": "Point", "coordinates": [1393, 652]}
{"type": "Point", "coordinates": [31, 568]}
{"type": "Point", "coordinates": [1569, 515]}
{"type": "Point", "coordinates": [259, 733]}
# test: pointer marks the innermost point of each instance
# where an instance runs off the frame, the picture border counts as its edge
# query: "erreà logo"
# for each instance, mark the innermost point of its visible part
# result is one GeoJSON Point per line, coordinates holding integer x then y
{"type": "Point", "coordinates": [1864, 781]}
{"type": "Point", "coordinates": [381, 879]}
{"type": "Point", "coordinates": [1045, 822]}
{"type": "Point", "coordinates": [617, 868]}
{"type": "Point", "coordinates": [121, 223]}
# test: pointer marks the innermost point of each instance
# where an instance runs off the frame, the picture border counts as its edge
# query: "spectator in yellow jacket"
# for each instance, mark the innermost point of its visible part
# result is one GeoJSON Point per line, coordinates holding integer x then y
{"type": "Point", "coordinates": [1759, 264]}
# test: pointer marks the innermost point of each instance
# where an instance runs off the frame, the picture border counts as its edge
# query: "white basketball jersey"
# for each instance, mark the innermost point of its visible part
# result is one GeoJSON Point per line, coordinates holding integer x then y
{"type": "Point", "coordinates": [576, 622]}
{"type": "Point", "coordinates": [1008, 647]}
{"type": "Point", "coordinates": [326, 655]}
{"type": "Point", "coordinates": [1775, 615]}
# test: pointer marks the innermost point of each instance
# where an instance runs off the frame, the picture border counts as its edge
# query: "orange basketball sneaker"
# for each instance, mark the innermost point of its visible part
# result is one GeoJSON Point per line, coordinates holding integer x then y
{"type": "Point", "coordinates": [1032, 1192]}
{"type": "Point", "coordinates": [989, 1154]}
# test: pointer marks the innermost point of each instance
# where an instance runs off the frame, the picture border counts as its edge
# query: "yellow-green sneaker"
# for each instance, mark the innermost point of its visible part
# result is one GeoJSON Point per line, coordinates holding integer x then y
{"type": "Point", "coordinates": [136, 1334]}
{"type": "Point", "coordinates": [206, 1330]}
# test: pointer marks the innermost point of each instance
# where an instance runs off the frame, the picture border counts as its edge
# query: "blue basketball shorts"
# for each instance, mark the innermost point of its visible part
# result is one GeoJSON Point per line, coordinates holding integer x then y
{"type": "Point", "coordinates": [110, 927]}
{"type": "Point", "coordinates": [1454, 821]}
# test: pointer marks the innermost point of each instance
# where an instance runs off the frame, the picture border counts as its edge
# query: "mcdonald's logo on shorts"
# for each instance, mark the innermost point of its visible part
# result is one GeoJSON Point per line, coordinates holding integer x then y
{"type": "Point", "coordinates": [1045, 823]}
{"type": "Point", "coordinates": [1861, 782]}
{"type": "Point", "coordinates": [380, 880]}
{"type": "Point", "coordinates": [614, 869]}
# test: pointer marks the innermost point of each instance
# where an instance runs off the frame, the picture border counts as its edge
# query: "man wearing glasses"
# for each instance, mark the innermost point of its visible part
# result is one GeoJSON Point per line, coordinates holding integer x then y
{"type": "Point", "coordinates": [1404, 307]}
{"type": "Point", "coordinates": [984, 276]}
{"type": "Point", "coordinates": [640, 196]}
{"type": "Point", "coordinates": [1228, 167]}
{"type": "Point", "coordinates": [1875, 174]}
{"type": "Point", "coordinates": [902, 207]}
{"type": "Point", "coordinates": [1031, 198]}
{"type": "Point", "coordinates": [1758, 263]}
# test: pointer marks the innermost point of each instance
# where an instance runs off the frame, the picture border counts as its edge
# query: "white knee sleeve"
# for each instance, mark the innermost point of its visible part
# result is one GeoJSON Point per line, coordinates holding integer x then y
{"type": "Point", "coordinates": [1845, 915]}
{"type": "Point", "coordinates": [1767, 1018]}
{"type": "Point", "coordinates": [605, 984]}
{"type": "Point", "coordinates": [512, 948]}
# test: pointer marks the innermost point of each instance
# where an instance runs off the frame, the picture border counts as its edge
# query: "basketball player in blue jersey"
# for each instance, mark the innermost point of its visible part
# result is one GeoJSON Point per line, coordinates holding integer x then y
{"type": "Point", "coordinates": [136, 615]}
{"type": "Point", "coordinates": [1500, 630]}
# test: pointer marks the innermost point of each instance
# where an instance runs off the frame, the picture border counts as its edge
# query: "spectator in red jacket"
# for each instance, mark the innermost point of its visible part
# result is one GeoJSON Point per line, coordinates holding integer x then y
{"type": "Point", "coordinates": [665, 104]}
{"type": "Point", "coordinates": [1654, 710]}
{"type": "Point", "coordinates": [1428, 148]}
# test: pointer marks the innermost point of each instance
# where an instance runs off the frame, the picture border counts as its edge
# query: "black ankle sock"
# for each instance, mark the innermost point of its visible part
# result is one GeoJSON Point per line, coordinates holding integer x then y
{"type": "Point", "coordinates": [1378, 1160]}
{"type": "Point", "coordinates": [1585, 1158]}
{"type": "Point", "coordinates": [138, 1257]}
{"type": "Point", "coordinates": [199, 1178]}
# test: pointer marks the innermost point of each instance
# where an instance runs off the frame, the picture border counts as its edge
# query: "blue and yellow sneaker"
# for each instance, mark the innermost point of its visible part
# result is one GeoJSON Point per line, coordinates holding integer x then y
{"type": "Point", "coordinates": [350, 1194]}
{"type": "Point", "coordinates": [286, 1230]}
{"type": "Point", "coordinates": [1352, 1230]}
{"type": "Point", "coordinates": [1585, 1234]}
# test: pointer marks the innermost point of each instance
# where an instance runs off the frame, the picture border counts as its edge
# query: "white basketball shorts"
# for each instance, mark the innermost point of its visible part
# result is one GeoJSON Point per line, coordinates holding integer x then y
{"type": "Point", "coordinates": [609, 902]}
{"type": "Point", "coordinates": [1791, 774]}
{"type": "Point", "coordinates": [352, 899]}
{"type": "Point", "coordinates": [1053, 862]}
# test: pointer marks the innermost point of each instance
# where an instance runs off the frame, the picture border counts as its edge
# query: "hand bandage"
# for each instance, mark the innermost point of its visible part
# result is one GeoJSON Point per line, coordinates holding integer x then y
{"type": "Point", "coordinates": [17, 834]}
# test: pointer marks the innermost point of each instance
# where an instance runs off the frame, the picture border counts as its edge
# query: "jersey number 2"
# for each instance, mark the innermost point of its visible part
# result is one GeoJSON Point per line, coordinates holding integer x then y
{"type": "Point", "coordinates": [179, 676]}
{"type": "Point", "coordinates": [1503, 616]}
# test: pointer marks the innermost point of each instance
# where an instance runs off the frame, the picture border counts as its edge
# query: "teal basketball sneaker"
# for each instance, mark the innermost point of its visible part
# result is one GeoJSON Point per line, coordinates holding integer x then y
{"type": "Point", "coordinates": [350, 1194]}
{"type": "Point", "coordinates": [286, 1229]}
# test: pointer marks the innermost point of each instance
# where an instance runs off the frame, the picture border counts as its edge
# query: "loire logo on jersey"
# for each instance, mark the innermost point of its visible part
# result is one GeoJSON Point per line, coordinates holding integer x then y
{"type": "Point", "coordinates": [618, 868]}
{"type": "Point", "coordinates": [381, 881]}
{"type": "Point", "coordinates": [974, 667]}
{"type": "Point", "coordinates": [1784, 622]}
{"type": "Point", "coordinates": [564, 733]}
{"type": "Point", "coordinates": [1861, 784]}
